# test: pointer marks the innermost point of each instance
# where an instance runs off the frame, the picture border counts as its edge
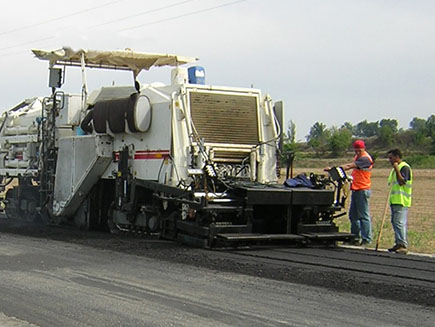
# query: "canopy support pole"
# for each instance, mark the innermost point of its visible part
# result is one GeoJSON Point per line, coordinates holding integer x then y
{"type": "Point", "coordinates": [84, 81]}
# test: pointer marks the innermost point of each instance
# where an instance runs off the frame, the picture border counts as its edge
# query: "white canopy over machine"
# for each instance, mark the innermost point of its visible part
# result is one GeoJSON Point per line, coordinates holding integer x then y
{"type": "Point", "coordinates": [118, 59]}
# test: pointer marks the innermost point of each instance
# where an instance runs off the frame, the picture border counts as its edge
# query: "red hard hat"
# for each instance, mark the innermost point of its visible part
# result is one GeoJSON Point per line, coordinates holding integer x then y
{"type": "Point", "coordinates": [359, 144]}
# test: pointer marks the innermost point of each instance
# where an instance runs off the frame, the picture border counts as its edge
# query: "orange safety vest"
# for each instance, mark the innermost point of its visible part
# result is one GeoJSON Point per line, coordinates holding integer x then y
{"type": "Point", "coordinates": [361, 177]}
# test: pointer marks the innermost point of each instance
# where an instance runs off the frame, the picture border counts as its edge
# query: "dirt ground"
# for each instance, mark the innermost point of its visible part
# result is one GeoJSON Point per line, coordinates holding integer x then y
{"type": "Point", "coordinates": [421, 216]}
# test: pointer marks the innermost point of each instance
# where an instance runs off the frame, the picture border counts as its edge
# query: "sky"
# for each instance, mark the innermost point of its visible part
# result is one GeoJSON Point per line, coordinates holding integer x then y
{"type": "Point", "coordinates": [330, 61]}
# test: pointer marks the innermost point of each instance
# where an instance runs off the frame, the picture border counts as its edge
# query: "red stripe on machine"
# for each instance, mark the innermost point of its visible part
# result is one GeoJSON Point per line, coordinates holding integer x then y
{"type": "Point", "coordinates": [151, 154]}
{"type": "Point", "coordinates": [148, 154]}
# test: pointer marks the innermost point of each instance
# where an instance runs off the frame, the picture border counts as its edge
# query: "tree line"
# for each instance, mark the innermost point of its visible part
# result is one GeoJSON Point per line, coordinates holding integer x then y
{"type": "Point", "coordinates": [418, 138]}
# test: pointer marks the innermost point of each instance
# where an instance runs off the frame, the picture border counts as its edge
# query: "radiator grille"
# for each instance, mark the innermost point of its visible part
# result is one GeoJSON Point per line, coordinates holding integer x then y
{"type": "Point", "coordinates": [239, 155]}
{"type": "Point", "coordinates": [225, 118]}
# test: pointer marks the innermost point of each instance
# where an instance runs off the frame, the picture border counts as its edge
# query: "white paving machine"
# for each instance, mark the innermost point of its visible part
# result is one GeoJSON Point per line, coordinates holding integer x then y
{"type": "Point", "coordinates": [188, 161]}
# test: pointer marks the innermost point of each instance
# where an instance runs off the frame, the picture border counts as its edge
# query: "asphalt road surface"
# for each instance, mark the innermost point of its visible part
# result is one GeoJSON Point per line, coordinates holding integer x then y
{"type": "Point", "coordinates": [48, 282]}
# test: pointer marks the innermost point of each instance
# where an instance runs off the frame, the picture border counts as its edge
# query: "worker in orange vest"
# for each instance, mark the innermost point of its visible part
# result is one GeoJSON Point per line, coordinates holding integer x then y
{"type": "Point", "coordinates": [359, 213]}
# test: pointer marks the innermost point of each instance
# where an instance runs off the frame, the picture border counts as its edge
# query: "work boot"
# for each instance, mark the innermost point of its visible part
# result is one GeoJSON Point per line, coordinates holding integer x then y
{"type": "Point", "coordinates": [402, 249]}
{"type": "Point", "coordinates": [394, 248]}
{"type": "Point", "coordinates": [355, 241]}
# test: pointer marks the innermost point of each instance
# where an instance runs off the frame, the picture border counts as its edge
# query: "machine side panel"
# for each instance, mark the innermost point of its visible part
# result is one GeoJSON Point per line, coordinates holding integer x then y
{"type": "Point", "coordinates": [269, 196]}
{"type": "Point", "coordinates": [81, 162]}
{"type": "Point", "coordinates": [64, 170]}
{"type": "Point", "coordinates": [149, 150]}
{"type": "Point", "coordinates": [69, 115]}
{"type": "Point", "coordinates": [306, 196]}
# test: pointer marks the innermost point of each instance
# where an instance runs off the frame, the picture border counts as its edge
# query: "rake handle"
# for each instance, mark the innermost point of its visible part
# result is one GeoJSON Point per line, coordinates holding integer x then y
{"type": "Point", "coordinates": [383, 220]}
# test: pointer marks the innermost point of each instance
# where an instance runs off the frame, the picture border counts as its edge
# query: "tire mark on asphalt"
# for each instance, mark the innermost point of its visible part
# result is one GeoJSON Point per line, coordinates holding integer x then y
{"type": "Point", "coordinates": [140, 293]}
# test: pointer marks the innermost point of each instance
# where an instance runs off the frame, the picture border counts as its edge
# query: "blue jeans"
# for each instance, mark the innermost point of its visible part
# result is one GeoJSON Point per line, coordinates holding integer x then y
{"type": "Point", "coordinates": [359, 215]}
{"type": "Point", "coordinates": [399, 218]}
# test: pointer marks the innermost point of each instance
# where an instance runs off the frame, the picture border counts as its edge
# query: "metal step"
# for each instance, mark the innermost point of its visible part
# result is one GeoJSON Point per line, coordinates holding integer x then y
{"type": "Point", "coordinates": [259, 237]}
{"type": "Point", "coordinates": [219, 207]}
{"type": "Point", "coordinates": [229, 229]}
{"type": "Point", "coordinates": [329, 236]}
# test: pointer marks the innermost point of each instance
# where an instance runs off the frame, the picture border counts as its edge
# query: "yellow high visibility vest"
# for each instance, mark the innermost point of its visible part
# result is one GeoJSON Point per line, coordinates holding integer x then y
{"type": "Point", "coordinates": [400, 194]}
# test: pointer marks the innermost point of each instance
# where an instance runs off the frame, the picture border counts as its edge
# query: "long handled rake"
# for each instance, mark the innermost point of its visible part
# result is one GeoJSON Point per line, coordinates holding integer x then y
{"type": "Point", "coordinates": [383, 220]}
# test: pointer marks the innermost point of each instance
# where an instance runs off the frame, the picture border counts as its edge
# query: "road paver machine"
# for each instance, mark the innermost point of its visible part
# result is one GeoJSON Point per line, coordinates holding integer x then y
{"type": "Point", "coordinates": [188, 161]}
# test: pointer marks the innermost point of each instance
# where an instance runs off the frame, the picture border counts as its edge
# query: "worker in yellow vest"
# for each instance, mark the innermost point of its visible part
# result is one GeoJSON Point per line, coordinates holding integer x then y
{"type": "Point", "coordinates": [400, 181]}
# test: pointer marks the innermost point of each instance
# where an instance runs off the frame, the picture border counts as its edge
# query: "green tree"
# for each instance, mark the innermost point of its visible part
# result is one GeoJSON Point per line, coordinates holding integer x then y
{"type": "Point", "coordinates": [386, 135]}
{"type": "Point", "coordinates": [418, 124]}
{"type": "Point", "coordinates": [291, 132]}
{"type": "Point", "coordinates": [418, 127]}
{"type": "Point", "coordinates": [290, 144]}
{"type": "Point", "coordinates": [391, 123]}
{"type": "Point", "coordinates": [430, 130]}
{"type": "Point", "coordinates": [366, 129]}
{"type": "Point", "coordinates": [318, 138]}
{"type": "Point", "coordinates": [430, 126]}
{"type": "Point", "coordinates": [388, 128]}
{"type": "Point", "coordinates": [339, 141]}
{"type": "Point", "coordinates": [347, 125]}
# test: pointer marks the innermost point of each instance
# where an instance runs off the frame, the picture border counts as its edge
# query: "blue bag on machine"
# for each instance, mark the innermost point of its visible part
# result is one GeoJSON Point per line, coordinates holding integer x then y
{"type": "Point", "coordinates": [299, 181]}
